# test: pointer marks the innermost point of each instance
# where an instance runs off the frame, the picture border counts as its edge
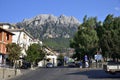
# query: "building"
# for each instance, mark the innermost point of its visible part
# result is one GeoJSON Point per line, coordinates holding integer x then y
{"type": "Point", "coordinates": [23, 38]}
{"type": "Point", "coordinates": [5, 38]}
{"type": "Point", "coordinates": [50, 56]}
{"type": "Point", "coordinates": [37, 41]}
{"type": "Point", "coordinates": [7, 26]}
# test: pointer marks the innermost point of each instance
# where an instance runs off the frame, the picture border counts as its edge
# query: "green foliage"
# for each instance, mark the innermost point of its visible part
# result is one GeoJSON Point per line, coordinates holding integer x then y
{"type": "Point", "coordinates": [86, 39]}
{"type": "Point", "coordinates": [34, 53]}
{"type": "Point", "coordinates": [57, 43]}
{"type": "Point", "coordinates": [14, 51]}
{"type": "Point", "coordinates": [60, 57]}
{"type": "Point", "coordinates": [109, 35]}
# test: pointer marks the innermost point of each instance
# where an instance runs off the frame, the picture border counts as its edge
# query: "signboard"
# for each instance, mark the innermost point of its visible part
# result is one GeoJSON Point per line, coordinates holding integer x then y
{"type": "Point", "coordinates": [98, 57]}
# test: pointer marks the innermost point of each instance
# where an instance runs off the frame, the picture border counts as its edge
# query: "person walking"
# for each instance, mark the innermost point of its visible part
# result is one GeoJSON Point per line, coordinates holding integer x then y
{"type": "Point", "coordinates": [86, 61]}
{"type": "Point", "coordinates": [80, 64]}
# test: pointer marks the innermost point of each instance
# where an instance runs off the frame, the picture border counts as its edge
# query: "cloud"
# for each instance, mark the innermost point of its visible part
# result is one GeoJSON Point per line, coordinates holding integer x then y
{"type": "Point", "coordinates": [117, 8]}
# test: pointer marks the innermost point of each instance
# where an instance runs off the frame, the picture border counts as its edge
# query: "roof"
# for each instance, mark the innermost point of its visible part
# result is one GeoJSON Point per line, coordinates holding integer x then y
{"type": "Point", "coordinates": [50, 51]}
{"type": "Point", "coordinates": [20, 30]}
{"type": "Point", "coordinates": [4, 23]}
{"type": "Point", "coordinates": [6, 31]}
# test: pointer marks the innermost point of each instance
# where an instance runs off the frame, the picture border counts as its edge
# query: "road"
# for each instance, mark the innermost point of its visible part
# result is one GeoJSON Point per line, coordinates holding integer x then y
{"type": "Point", "coordinates": [67, 74]}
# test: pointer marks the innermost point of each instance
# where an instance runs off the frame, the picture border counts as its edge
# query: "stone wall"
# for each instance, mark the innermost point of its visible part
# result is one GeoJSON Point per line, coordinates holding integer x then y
{"type": "Point", "coordinates": [7, 73]}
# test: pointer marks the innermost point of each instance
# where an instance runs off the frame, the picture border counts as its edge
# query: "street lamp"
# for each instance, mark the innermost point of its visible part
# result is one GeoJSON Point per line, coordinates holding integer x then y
{"type": "Point", "coordinates": [44, 60]}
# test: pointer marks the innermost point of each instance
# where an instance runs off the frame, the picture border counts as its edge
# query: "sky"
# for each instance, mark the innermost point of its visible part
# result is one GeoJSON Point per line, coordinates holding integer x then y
{"type": "Point", "coordinates": [13, 11]}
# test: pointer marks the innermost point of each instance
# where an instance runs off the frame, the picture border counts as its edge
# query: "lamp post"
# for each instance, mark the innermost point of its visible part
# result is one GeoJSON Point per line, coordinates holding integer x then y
{"type": "Point", "coordinates": [44, 61]}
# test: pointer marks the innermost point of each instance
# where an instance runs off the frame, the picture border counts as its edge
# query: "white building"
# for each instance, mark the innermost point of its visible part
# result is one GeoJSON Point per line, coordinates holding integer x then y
{"type": "Point", "coordinates": [49, 57]}
{"type": "Point", "coordinates": [23, 38]}
{"type": "Point", "coordinates": [7, 26]}
{"type": "Point", "coordinates": [37, 41]}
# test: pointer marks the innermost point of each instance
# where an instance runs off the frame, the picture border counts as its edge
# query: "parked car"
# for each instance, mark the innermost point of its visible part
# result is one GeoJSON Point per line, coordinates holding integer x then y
{"type": "Point", "coordinates": [26, 65]}
{"type": "Point", "coordinates": [112, 67]}
{"type": "Point", "coordinates": [71, 64]}
{"type": "Point", "coordinates": [49, 65]}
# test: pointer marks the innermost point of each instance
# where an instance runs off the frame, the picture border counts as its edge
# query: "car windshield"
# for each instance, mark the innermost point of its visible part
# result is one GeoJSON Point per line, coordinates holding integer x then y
{"type": "Point", "coordinates": [49, 63]}
{"type": "Point", "coordinates": [71, 62]}
{"type": "Point", "coordinates": [112, 62]}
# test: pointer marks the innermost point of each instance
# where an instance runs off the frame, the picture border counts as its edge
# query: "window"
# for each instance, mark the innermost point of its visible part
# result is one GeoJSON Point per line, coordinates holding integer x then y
{"type": "Point", "coordinates": [24, 36]}
{"type": "Point", "coordinates": [7, 36]}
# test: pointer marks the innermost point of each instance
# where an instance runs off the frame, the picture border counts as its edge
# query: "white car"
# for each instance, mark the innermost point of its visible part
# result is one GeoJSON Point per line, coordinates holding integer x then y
{"type": "Point", "coordinates": [49, 65]}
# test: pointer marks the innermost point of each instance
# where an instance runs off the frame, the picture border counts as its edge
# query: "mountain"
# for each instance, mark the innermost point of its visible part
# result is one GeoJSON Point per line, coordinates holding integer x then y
{"type": "Point", "coordinates": [48, 27]}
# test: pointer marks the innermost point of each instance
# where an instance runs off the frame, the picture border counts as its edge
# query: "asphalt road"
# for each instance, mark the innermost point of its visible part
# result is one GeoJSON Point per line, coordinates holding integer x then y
{"type": "Point", "coordinates": [67, 74]}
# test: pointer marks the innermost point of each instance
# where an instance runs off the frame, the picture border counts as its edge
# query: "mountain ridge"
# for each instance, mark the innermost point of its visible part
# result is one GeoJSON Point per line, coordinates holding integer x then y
{"type": "Point", "coordinates": [47, 26]}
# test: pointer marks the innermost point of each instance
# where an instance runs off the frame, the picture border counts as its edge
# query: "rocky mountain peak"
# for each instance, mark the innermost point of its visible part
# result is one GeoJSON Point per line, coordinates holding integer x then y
{"type": "Point", "coordinates": [50, 26]}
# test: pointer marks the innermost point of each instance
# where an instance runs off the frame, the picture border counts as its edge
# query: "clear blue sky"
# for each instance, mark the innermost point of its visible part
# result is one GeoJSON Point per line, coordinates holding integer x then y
{"type": "Point", "coordinates": [13, 11]}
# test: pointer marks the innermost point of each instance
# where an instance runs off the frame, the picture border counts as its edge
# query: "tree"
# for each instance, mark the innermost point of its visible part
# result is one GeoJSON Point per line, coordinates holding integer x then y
{"type": "Point", "coordinates": [61, 58]}
{"type": "Point", "coordinates": [86, 39]}
{"type": "Point", "coordinates": [108, 34]}
{"type": "Point", "coordinates": [14, 51]}
{"type": "Point", "coordinates": [34, 53]}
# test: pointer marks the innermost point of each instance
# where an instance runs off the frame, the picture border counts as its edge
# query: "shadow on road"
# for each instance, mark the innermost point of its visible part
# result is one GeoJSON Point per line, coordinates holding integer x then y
{"type": "Point", "coordinates": [96, 74]}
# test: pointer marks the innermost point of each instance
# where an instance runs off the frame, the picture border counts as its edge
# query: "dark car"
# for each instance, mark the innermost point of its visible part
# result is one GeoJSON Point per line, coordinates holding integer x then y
{"type": "Point", "coordinates": [26, 65]}
{"type": "Point", "coordinates": [71, 64]}
{"type": "Point", "coordinates": [59, 64]}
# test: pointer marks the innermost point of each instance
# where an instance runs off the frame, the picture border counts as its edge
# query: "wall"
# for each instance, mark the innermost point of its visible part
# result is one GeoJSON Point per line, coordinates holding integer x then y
{"type": "Point", "coordinates": [6, 26]}
{"type": "Point", "coordinates": [53, 59]}
{"type": "Point", "coordinates": [22, 39]}
{"type": "Point", "coordinates": [7, 73]}
{"type": "Point", "coordinates": [4, 41]}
